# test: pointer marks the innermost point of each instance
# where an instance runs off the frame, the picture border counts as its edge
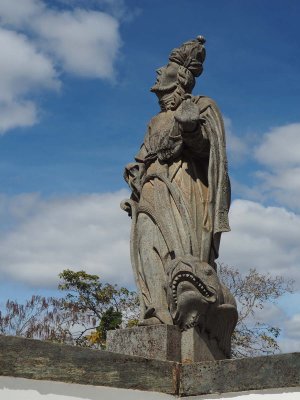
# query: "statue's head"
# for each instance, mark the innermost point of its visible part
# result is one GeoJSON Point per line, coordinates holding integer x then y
{"type": "Point", "coordinates": [177, 78]}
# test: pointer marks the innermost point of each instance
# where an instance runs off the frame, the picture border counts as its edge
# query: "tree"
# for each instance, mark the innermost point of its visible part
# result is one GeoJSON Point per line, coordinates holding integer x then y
{"type": "Point", "coordinates": [89, 308]}
{"type": "Point", "coordinates": [252, 293]}
{"type": "Point", "coordinates": [38, 318]}
{"type": "Point", "coordinates": [95, 306]}
{"type": "Point", "coordinates": [82, 317]}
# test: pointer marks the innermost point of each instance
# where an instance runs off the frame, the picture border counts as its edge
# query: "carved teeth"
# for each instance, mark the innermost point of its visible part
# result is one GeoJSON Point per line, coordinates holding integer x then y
{"type": "Point", "coordinates": [192, 278]}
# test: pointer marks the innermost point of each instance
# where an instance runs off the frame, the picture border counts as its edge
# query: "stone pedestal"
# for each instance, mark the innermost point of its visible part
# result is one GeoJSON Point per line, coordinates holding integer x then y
{"type": "Point", "coordinates": [196, 346]}
{"type": "Point", "coordinates": [164, 342]}
{"type": "Point", "coordinates": [161, 342]}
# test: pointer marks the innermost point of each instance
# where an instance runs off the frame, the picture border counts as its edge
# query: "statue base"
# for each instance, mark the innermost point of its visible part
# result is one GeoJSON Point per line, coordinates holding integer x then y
{"type": "Point", "coordinates": [164, 342]}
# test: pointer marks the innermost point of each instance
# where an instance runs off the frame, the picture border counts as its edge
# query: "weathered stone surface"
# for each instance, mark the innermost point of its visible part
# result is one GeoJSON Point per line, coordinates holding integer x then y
{"type": "Point", "coordinates": [196, 346]}
{"type": "Point", "coordinates": [179, 206]}
{"type": "Point", "coordinates": [240, 375]}
{"type": "Point", "coordinates": [161, 342]}
{"type": "Point", "coordinates": [164, 342]}
{"type": "Point", "coordinates": [39, 360]}
{"type": "Point", "coordinates": [35, 359]}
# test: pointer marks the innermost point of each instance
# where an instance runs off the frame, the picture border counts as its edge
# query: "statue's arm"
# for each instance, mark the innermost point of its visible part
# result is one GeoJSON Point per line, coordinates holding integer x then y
{"type": "Point", "coordinates": [191, 124]}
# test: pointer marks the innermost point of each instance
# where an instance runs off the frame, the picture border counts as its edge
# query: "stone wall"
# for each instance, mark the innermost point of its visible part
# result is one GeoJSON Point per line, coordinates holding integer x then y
{"type": "Point", "coordinates": [62, 371]}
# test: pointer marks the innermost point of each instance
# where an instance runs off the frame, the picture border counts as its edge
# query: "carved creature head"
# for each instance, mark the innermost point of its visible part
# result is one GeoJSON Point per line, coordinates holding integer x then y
{"type": "Point", "coordinates": [201, 275]}
{"type": "Point", "coordinates": [193, 289]}
{"type": "Point", "coordinates": [196, 298]}
{"type": "Point", "coordinates": [177, 78]}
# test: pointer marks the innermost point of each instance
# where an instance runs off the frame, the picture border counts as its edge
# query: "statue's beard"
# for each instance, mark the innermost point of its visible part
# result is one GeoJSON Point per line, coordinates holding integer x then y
{"type": "Point", "coordinates": [169, 99]}
{"type": "Point", "coordinates": [159, 89]}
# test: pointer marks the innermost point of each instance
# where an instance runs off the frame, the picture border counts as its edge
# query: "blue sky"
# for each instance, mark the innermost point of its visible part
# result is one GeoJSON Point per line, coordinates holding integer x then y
{"type": "Point", "coordinates": [74, 105]}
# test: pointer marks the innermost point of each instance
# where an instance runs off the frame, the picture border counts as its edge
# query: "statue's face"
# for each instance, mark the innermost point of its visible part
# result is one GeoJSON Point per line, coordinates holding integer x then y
{"type": "Point", "coordinates": [166, 80]}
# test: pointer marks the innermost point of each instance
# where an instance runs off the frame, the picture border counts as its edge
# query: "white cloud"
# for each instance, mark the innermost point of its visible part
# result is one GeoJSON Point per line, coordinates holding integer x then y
{"type": "Point", "coordinates": [280, 147]}
{"type": "Point", "coordinates": [269, 314]}
{"type": "Point", "coordinates": [237, 148]}
{"type": "Point", "coordinates": [81, 41]}
{"type": "Point", "coordinates": [279, 152]}
{"type": "Point", "coordinates": [116, 8]}
{"type": "Point", "coordinates": [290, 342]}
{"type": "Point", "coordinates": [288, 345]}
{"type": "Point", "coordinates": [22, 69]}
{"type": "Point", "coordinates": [14, 115]}
{"type": "Point", "coordinates": [84, 43]}
{"type": "Point", "coordinates": [90, 231]}
{"type": "Point", "coordinates": [37, 42]}
{"type": "Point", "coordinates": [292, 327]}
{"type": "Point", "coordinates": [266, 238]}
{"type": "Point", "coordinates": [87, 232]}
{"type": "Point", "coordinates": [17, 12]}
{"type": "Point", "coordinates": [289, 338]}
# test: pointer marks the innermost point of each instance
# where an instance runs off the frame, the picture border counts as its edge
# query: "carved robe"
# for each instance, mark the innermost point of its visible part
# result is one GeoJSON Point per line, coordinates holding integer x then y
{"type": "Point", "coordinates": [180, 200]}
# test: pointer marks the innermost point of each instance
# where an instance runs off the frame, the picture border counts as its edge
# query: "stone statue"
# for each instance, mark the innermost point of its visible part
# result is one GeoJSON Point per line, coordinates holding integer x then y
{"type": "Point", "coordinates": [179, 205]}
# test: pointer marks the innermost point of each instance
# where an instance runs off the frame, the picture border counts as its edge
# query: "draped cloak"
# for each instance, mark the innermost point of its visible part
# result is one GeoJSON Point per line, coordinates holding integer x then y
{"type": "Point", "coordinates": [180, 200]}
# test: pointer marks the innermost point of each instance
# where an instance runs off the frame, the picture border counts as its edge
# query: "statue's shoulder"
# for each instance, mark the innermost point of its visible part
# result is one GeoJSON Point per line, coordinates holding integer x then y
{"type": "Point", "coordinates": [204, 102]}
{"type": "Point", "coordinates": [155, 118]}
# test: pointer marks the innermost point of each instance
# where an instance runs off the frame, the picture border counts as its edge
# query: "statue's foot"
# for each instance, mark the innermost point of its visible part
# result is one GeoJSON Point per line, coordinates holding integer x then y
{"type": "Point", "coordinates": [155, 316]}
{"type": "Point", "coordinates": [149, 321]}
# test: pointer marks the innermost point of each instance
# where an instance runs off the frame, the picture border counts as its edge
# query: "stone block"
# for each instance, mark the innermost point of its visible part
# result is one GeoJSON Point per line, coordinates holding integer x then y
{"type": "Point", "coordinates": [42, 360]}
{"type": "Point", "coordinates": [164, 342]}
{"type": "Point", "coordinates": [161, 342]}
{"type": "Point", "coordinates": [266, 372]}
{"type": "Point", "coordinates": [196, 346]}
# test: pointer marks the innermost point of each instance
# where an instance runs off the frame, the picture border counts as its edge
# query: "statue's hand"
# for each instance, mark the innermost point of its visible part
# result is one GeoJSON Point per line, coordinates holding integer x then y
{"type": "Point", "coordinates": [188, 115]}
{"type": "Point", "coordinates": [133, 174]}
{"type": "Point", "coordinates": [170, 148]}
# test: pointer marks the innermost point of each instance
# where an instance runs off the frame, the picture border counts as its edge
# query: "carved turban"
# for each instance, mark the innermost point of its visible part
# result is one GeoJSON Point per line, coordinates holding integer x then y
{"type": "Point", "coordinates": [190, 55]}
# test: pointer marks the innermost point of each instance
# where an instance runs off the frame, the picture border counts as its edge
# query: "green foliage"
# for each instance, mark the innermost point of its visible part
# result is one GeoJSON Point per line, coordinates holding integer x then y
{"type": "Point", "coordinates": [81, 317]}
{"type": "Point", "coordinates": [103, 306]}
{"type": "Point", "coordinates": [110, 320]}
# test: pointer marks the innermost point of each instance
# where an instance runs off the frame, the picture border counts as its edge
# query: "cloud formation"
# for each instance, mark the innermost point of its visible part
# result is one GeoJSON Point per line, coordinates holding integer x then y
{"type": "Point", "coordinates": [40, 238]}
{"type": "Point", "coordinates": [44, 237]}
{"type": "Point", "coordinates": [236, 147]}
{"type": "Point", "coordinates": [279, 153]}
{"type": "Point", "coordinates": [263, 237]}
{"type": "Point", "coordinates": [23, 69]}
{"type": "Point", "coordinates": [38, 43]}
{"type": "Point", "coordinates": [280, 147]}
{"type": "Point", "coordinates": [291, 331]}
{"type": "Point", "coordinates": [267, 238]}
